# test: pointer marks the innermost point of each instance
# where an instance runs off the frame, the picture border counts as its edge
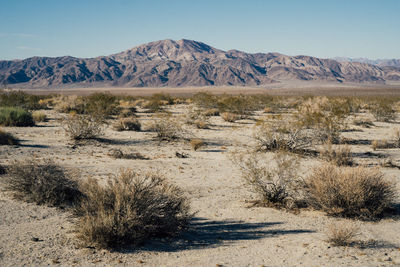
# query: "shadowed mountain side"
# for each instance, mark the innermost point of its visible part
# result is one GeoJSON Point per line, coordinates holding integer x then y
{"type": "Point", "coordinates": [185, 63]}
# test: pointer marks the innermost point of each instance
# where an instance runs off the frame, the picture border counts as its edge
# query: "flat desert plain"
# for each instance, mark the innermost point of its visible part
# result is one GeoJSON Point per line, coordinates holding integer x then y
{"type": "Point", "coordinates": [226, 229]}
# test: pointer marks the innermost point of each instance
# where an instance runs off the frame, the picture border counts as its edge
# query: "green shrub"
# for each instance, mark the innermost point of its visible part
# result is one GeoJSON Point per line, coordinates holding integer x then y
{"type": "Point", "coordinates": [130, 209]}
{"type": "Point", "coordinates": [101, 104]}
{"type": "Point", "coordinates": [21, 100]}
{"type": "Point", "coordinates": [10, 116]}
{"type": "Point", "coordinates": [42, 183]}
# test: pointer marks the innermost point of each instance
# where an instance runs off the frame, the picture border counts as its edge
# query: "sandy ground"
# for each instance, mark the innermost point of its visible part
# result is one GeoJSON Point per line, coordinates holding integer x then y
{"type": "Point", "coordinates": [225, 231]}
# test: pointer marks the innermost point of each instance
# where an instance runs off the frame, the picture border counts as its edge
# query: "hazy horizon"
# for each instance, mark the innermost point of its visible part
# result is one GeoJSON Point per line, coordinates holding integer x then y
{"type": "Point", "coordinates": [354, 29]}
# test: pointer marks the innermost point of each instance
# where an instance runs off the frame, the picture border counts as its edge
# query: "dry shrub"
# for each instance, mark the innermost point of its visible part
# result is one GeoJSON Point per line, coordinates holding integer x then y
{"type": "Point", "coordinates": [127, 124]}
{"type": "Point", "coordinates": [349, 192]}
{"type": "Point", "coordinates": [196, 143]}
{"type": "Point", "coordinates": [197, 118]}
{"type": "Point", "coordinates": [167, 128]}
{"type": "Point", "coordinates": [42, 183]}
{"type": "Point", "coordinates": [383, 110]}
{"type": "Point", "coordinates": [324, 115]}
{"type": "Point", "coordinates": [81, 127]}
{"type": "Point", "coordinates": [275, 182]}
{"type": "Point", "coordinates": [8, 139]}
{"type": "Point", "coordinates": [229, 117]}
{"type": "Point", "coordinates": [282, 136]}
{"type": "Point", "coordinates": [39, 116]}
{"type": "Point", "coordinates": [211, 112]}
{"type": "Point", "coordinates": [342, 233]}
{"type": "Point", "coordinates": [118, 154]}
{"type": "Point", "coordinates": [396, 137]}
{"type": "Point", "coordinates": [339, 155]}
{"type": "Point", "coordinates": [382, 144]}
{"type": "Point", "coordinates": [130, 209]}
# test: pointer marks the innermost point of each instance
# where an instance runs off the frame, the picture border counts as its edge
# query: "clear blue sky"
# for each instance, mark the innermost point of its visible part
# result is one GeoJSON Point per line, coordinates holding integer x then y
{"type": "Point", "coordinates": [89, 28]}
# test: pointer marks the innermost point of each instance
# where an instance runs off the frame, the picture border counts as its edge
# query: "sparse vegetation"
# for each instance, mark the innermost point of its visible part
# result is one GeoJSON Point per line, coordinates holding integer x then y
{"type": "Point", "coordinates": [382, 109]}
{"type": "Point", "coordinates": [275, 181]}
{"type": "Point", "coordinates": [118, 154]}
{"type": "Point", "coordinates": [82, 127]}
{"type": "Point", "coordinates": [167, 128]}
{"type": "Point", "coordinates": [21, 100]}
{"type": "Point", "coordinates": [130, 209]}
{"type": "Point", "coordinates": [339, 155]}
{"type": "Point", "coordinates": [229, 117]}
{"type": "Point", "coordinates": [349, 192]}
{"type": "Point", "coordinates": [127, 124]}
{"type": "Point", "coordinates": [42, 183]}
{"type": "Point", "coordinates": [39, 116]}
{"type": "Point", "coordinates": [342, 233]}
{"type": "Point", "coordinates": [196, 143]}
{"type": "Point", "coordinates": [10, 116]}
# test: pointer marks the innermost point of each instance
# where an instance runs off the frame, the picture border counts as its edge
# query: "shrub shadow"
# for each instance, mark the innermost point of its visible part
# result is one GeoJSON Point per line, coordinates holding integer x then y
{"type": "Point", "coordinates": [205, 233]}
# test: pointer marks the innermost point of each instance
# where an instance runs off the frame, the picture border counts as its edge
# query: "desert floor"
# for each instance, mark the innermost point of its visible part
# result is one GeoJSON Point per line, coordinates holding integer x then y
{"type": "Point", "coordinates": [226, 231]}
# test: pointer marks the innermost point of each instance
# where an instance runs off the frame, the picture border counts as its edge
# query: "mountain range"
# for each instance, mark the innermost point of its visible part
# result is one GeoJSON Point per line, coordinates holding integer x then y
{"type": "Point", "coordinates": [189, 63]}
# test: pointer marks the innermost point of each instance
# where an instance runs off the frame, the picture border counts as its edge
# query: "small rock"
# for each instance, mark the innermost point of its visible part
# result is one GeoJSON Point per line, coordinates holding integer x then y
{"type": "Point", "coordinates": [35, 239]}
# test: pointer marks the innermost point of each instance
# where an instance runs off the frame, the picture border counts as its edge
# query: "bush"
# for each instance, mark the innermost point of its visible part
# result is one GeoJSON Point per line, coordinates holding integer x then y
{"type": "Point", "coordinates": [349, 192]}
{"type": "Point", "coordinates": [274, 136]}
{"type": "Point", "coordinates": [197, 118]}
{"type": "Point", "coordinates": [340, 156]}
{"type": "Point", "coordinates": [101, 104]}
{"type": "Point", "coordinates": [130, 209]}
{"type": "Point", "coordinates": [15, 117]}
{"type": "Point", "coordinates": [118, 154]}
{"type": "Point", "coordinates": [8, 139]}
{"type": "Point", "coordinates": [127, 124]}
{"type": "Point", "coordinates": [342, 234]}
{"type": "Point", "coordinates": [229, 117]}
{"type": "Point", "coordinates": [167, 128]}
{"type": "Point", "coordinates": [382, 110]}
{"type": "Point", "coordinates": [81, 127]}
{"type": "Point", "coordinates": [382, 144]}
{"type": "Point", "coordinates": [196, 143]}
{"type": "Point", "coordinates": [42, 183]}
{"type": "Point", "coordinates": [39, 116]}
{"type": "Point", "coordinates": [275, 183]}
{"type": "Point", "coordinates": [21, 100]}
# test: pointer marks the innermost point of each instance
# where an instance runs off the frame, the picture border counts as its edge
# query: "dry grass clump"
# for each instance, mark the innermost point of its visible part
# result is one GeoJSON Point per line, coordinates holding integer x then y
{"type": "Point", "coordinates": [211, 112]}
{"type": "Point", "coordinates": [42, 183]}
{"type": "Point", "coordinates": [82, 127]}
{"type": "Point", "coordinates": [339, 155]}
{"type": "Point", "coordinates": [396, 137]}
{"type": "Point", "coordinates": [325, 115]}
{"type": "Point", "coordinates": [196, 143]}
{"type": "Point", "coordinates": [342, 233]}
{"type": "Point", "coordinates": [130, 209]}
{"type": "Point", "coordinates": [282, 136]}
{"type": "Point", "coordinates": [349, 192]}
{"type": "Point", "coordinates": [39, 116]}
{"type": "Point", "coordinates": [229, 117]}
{"type": "Point", "coordinates": [127, 124]}
{"type": "Point", "coordinates": [382, 144]}
{"type": "Point", "coordinates": [14, 116]}
{"type": "Point", "coordinates": [167, 128]}
{"type": "Point", "coordinates": [198, 119]}
{"type": "Point", "coordinates": [118, 154]}
{"type": "Point", "coordinates": [383, 110]}
{"type": "Point", "coordinates": [275, 182]}
{"type": "Point", "coordinates": [8, 139]}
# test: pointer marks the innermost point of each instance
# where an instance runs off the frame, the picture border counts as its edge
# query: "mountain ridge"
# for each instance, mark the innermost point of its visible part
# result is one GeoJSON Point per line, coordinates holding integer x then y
{"type": "Point", "coordinates": [186, 63]}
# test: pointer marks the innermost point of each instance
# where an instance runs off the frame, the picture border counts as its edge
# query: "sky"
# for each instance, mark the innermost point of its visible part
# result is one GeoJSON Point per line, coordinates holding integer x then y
{"type": "Point", "coordinates": [90, 28]}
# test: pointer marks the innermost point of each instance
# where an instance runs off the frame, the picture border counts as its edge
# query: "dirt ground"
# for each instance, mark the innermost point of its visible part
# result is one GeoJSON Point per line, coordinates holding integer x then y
{"type": "Point", "coordinates": [226, 231]}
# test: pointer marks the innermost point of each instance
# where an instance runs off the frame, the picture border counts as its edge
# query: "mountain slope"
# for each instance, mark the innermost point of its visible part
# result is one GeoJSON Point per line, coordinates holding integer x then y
{"type": "Point", "coordinates": [186, 63]}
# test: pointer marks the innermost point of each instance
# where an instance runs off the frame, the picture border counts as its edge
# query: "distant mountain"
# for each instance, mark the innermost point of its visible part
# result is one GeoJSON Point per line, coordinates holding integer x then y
{"type": "Point", "coordinates": [377, 62]}
{"type": "Point", "coordinates": [186, 63]}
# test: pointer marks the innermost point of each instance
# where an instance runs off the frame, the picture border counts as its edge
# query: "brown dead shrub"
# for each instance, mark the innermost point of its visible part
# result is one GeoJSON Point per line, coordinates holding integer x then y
{"type": "Point", "coordinates": [82, 127]}
{"type": "Point", "coordinates": [229, 117]}
{"type": "Point", "coordinates": [342, 233]}
{"type": "Point", "coordinates": [349, 192]}
{"type": "Point", "coordinates": [127, 124]}
{"type": "Point", "coordinates": [42, 183]}
{"type": "Point", "coordinates": [196, 143]}
{"type": "Point", "coordinates": [339, 155]}
{"type": "Point", "coordinates": [130, 209]}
